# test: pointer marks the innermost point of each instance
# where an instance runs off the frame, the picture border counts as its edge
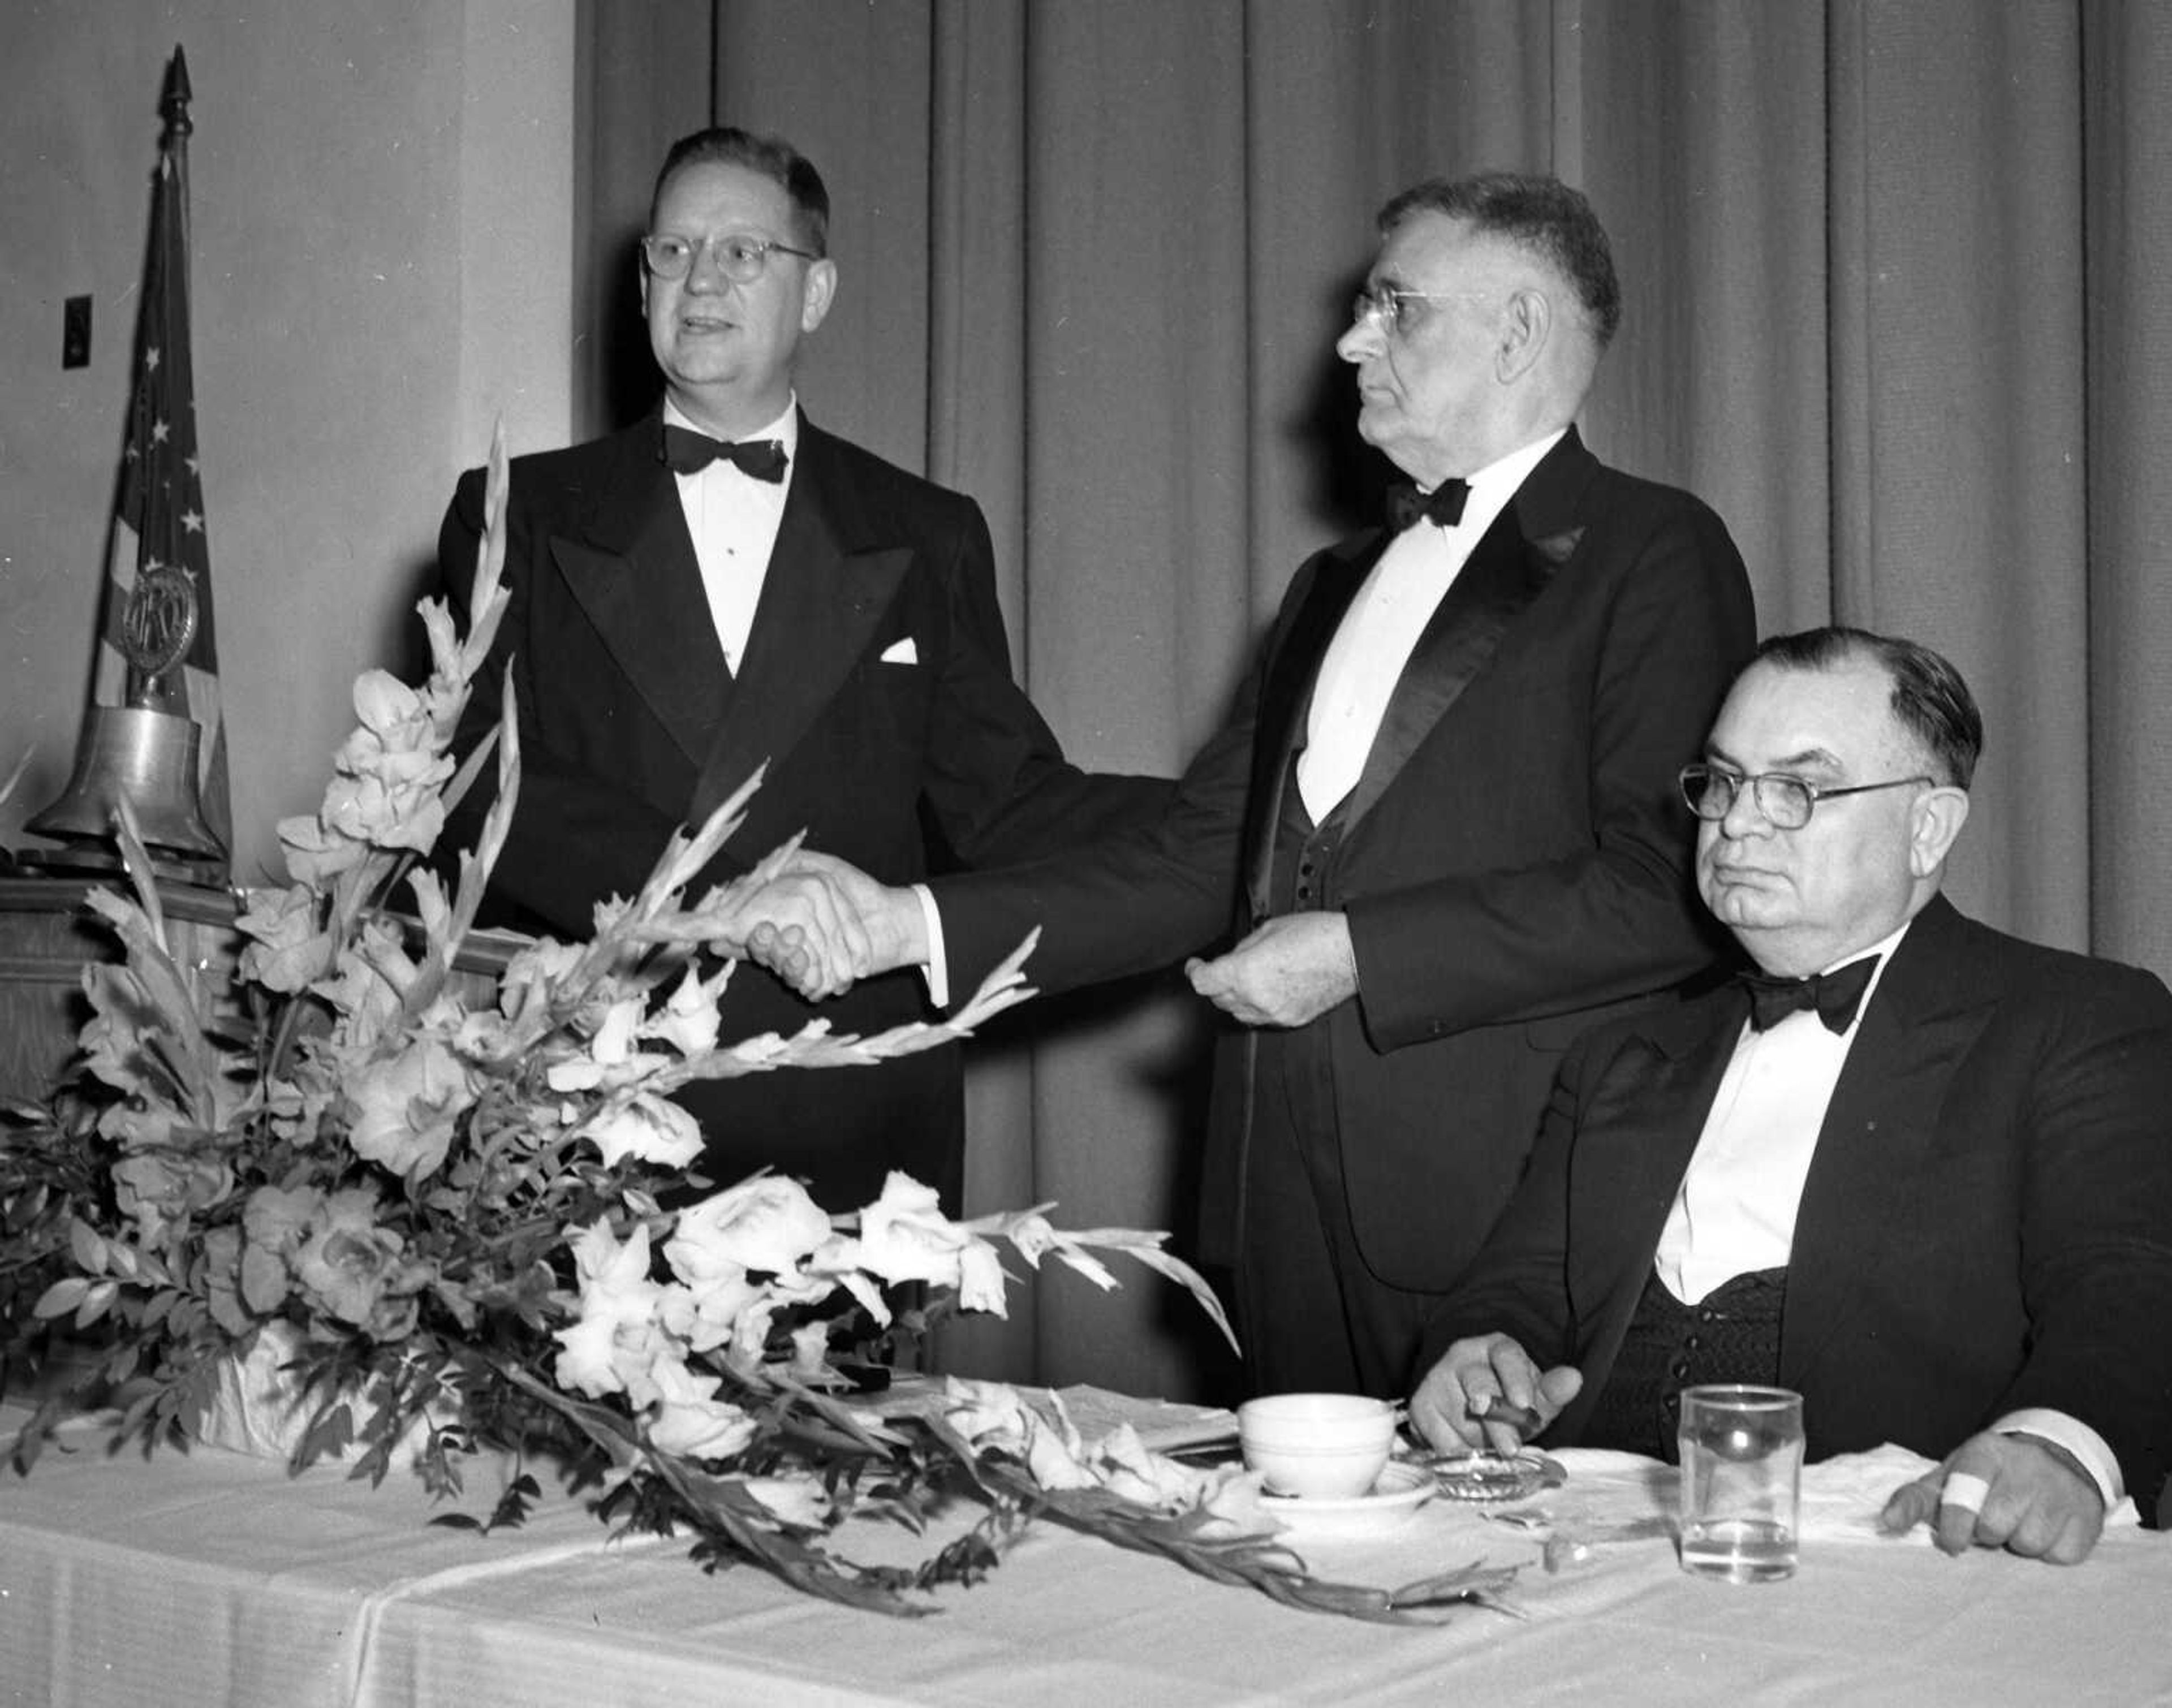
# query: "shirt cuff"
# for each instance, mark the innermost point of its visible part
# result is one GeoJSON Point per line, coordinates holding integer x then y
{"type": "Point", "coordinates": [2078, 1438]}
{"type": "Point", "coordinates": [936, 970]}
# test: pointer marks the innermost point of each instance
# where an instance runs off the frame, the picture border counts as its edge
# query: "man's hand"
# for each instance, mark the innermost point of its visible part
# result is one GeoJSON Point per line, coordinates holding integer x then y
{"type": "Point", "coordinates": [825, 923]}
{"type": "Point", "coordinates": [1487, 1373]}
{"type": "Point", "coordinates": [2010, 1492]}
{"type": "Point", "coordinates": [1292, 969]}
{"type": "Point", "coordinates": [802, 929]}
{"type": "Point", "coordinates": [890, 914]}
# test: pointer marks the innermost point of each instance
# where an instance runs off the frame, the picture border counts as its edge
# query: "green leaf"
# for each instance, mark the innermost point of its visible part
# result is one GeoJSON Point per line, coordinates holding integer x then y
{"type": "Point", "coordinates": [96, 1302]}
{"type": "Point", "coordinates": [87, 1246]}
{"type": "Point", "coordinates": [331, 1434]}
{"type": "Point", "coordinates": [24, 1211]}
{"type": "Point", "coordinates": [63, 1296]}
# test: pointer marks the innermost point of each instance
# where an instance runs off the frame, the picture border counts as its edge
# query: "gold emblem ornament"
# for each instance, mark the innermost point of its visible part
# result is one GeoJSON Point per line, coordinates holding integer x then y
{"type": "Point", "coordinates": [159, 624]}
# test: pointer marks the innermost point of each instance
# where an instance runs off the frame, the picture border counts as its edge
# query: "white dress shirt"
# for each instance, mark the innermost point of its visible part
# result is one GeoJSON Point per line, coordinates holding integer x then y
{"type": "Point", "coordinates": [734, 519]}
{"type": "Point", "coordinates": [1734, 1212]}
{"type": "Point", "coordinates": [1373, 643]}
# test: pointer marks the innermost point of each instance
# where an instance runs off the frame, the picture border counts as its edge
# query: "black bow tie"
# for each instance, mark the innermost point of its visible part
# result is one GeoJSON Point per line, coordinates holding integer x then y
{"type": "Point", "coordinates": [1442, 506]}
{"type": "Point", "coordinates": [689, 453]}
{"type": "Point", "coordinates": [1836, 994]}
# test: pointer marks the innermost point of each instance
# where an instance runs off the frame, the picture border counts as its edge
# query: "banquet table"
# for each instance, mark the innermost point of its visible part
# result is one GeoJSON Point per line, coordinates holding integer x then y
{"type": "Point", "coordinates": [214, 1577]}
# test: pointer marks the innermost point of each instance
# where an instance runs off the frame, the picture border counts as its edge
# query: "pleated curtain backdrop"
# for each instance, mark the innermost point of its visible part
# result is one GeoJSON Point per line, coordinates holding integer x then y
{"type": "Point", "coordinates": [1889, 269]}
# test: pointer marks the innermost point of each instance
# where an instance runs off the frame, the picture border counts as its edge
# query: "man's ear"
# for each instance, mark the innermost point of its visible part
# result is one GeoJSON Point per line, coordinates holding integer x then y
{"type": "Point", "coordinates": [1526, 327]}
{"type": "Point", "coordinates": [817, 295]}
{"type": "Point", "coordinates": [1936, 820]}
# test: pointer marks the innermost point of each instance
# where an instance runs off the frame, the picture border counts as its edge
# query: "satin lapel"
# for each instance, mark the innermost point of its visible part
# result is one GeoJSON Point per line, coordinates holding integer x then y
{"type": "Point", "coordinates": [1496, 586]}
{"type": "Point", "coordinates": [633, 571]}
{"type": "Point", "coordinates": [825, 591]}
{"type": "Point", "coordinates": [1286, 699]}
{"type": "Point", "coordinates": [1871, 1171]}
{"type": "Point", "coordinates": [1635, 1137]}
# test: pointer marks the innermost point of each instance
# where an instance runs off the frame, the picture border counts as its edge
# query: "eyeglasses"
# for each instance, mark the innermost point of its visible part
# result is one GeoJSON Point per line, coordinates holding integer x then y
{"type": "Point", "coordinates": [1381, 307]}
{"type": "Point", "coordinates": [1786, 801]}
{"type": "Point", "coordinates": [740, 258]}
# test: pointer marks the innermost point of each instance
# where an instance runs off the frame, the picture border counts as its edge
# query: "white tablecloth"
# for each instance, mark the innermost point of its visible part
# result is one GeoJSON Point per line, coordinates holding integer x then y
{"type": "Point", "coordinates": [213, 1578]}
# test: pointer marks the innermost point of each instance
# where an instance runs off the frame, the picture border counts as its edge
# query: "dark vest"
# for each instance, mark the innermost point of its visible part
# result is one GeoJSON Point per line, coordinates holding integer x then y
{"type": "Point", "coordinates": [1303, 851]}
{"type": "Point", "coordinates": [1731, 1334]}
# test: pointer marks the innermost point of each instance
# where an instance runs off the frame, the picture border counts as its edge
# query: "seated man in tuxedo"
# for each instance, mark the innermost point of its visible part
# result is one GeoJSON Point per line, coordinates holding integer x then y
{"type": "Point", "coordinates": [722, 587]}
{"type": "Point", "coordinates": [1916, 1169]}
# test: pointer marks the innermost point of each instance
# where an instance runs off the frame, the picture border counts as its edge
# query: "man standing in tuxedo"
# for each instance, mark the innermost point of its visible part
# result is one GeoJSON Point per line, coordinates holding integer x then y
{"type": "Point", "coordinates": [1916, 1169]}
{"type": "Point", "coordinates": [722, 586]}
{"type": "Point", "coordinates": [1443, 823]}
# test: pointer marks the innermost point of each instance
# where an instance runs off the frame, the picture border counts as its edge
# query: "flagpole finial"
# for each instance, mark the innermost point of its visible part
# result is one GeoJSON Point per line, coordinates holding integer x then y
{"type": "Point", "coordinates": [174, 103]}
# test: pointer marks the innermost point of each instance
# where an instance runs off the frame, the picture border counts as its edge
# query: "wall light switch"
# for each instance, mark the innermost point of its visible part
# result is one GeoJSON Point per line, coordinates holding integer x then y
{"type": "Point", "coordinates": [75, 332]}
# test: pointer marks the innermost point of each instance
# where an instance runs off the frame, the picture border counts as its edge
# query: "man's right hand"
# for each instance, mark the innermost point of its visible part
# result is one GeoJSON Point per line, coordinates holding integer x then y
{"type": "Point", "coordinates": [803, 930]}
{"type": "Point", "coordinates": [835, 925]}
{"type": "Point", "coordinates": [1489, 1371]}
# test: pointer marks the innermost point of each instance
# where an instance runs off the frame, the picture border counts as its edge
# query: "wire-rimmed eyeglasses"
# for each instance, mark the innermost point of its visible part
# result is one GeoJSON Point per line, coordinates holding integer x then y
{"type": "Point", "coordinates": [1786, 801]}
{"type": "Point", "coordinates": [1381, 307]}
{"type": "Point", "coordinates": [740, 258]}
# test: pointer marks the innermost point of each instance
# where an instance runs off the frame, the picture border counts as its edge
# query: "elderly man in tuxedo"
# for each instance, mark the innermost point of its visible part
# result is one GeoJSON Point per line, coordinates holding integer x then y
{"type": "Point", "coordinates": [1442, 822]}
{"type": "Point", "coordinates": [1917, 1169]}
{"type": "Point", "coordinates": [724, 585]}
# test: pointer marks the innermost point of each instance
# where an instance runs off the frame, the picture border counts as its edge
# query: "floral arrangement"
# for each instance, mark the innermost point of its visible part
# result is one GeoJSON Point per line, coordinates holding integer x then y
{"type": "Point", "coordinates": [431, 1226]}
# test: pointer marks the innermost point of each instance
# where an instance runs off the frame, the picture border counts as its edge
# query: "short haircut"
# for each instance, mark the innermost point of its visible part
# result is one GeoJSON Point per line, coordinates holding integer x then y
{"type": "Point", "coordinates": [1930, 700]}
{"type": "Point", "coordinates": [1541, 214]}
{"type": "Point", "coordinates": [772, 157]}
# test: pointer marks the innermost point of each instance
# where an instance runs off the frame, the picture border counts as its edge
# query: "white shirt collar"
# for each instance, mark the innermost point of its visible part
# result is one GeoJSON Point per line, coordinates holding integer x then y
{"type": "Point", "coordinates": [1492, 486]}
{"type": "Point", "coordinates": [785, 427]}
{"type": "Point", "coordinates": [1504, 474]}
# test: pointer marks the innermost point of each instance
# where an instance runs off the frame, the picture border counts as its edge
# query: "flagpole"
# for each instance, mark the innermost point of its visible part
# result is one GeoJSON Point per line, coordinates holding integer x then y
{"type": "Point", "coordinates": [174, 104]}
{"type": "Point", "coordinates": [154, 734]}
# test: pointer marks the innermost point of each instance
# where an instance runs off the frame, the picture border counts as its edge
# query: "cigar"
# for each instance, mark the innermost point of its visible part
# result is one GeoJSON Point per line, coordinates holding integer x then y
{"type": "Point", "coordinates": [1492, 1408]}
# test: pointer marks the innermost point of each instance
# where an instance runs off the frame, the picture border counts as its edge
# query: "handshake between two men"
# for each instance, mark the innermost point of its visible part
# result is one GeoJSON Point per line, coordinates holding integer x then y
{"type": "Point", "coordinates": [823, 924]}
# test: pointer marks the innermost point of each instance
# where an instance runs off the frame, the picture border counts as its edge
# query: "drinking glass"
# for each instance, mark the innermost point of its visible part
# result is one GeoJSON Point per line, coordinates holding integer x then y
{"type": "Point", "coordinates": [1742, 1481]}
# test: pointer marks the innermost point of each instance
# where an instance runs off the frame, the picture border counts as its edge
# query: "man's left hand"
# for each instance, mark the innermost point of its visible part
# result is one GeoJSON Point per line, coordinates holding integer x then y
{"type": "Point", "coordinates": [1291, 970]}
{"type": "Point", "coordinates": [2010, 1492]}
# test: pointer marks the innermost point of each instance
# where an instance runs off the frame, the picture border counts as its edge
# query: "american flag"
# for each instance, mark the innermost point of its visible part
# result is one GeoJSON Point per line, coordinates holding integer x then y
{"type": "Point", "coordinates": [159, 521]}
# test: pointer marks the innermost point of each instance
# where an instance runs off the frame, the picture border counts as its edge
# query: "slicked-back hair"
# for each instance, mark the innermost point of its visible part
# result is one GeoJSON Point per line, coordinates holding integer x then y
{"type": "Point", "coordinates": [1930, 700]}
{"type": "Point", "coordinates": [1541, 214]}
{"type": "Point", "coordinates": [772, 157]}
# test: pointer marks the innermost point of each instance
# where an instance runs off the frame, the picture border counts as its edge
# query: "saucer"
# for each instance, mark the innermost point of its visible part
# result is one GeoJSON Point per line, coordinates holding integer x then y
{"type": "Point", "coordinates": [1401, 1489]}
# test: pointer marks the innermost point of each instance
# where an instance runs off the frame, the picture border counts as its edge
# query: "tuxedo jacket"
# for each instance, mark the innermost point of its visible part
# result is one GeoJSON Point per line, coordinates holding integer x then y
{"type": "Point", "coordinates": [875, 688]}
{"type": "Point", "coordinates": [1514, 859]}
{"type": "Point", "coordinates": [1986, 1223]}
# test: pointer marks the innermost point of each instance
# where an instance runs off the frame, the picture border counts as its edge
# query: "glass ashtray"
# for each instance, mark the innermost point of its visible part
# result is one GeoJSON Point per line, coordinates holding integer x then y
{"type": "Point", "coordinates": [1487, 1475]}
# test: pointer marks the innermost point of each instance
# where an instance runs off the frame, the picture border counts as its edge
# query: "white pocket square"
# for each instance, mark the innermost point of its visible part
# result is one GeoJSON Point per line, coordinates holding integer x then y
{"type": "Point", "coordinates": [901, 653]}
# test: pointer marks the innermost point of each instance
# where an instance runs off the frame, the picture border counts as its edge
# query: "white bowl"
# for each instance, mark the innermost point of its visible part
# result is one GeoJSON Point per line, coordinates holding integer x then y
{"type": "Point", "coordinates": [1318, 1447]}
